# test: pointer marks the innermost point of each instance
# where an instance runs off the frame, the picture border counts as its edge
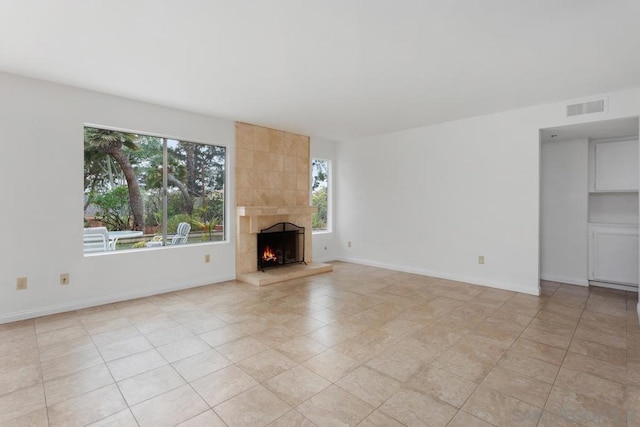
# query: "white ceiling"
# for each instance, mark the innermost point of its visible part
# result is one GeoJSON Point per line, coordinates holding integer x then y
{"type": "Point", "coordinates": [332, 68]}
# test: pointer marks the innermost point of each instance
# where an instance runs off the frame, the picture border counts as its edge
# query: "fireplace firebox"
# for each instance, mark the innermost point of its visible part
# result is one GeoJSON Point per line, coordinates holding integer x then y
{"type": "Point", "coordinates": [280, 244]}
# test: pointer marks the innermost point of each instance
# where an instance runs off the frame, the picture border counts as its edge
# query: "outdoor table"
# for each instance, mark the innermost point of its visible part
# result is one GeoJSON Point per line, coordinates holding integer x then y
{"type": "Point", "coordinates": [123, 234]}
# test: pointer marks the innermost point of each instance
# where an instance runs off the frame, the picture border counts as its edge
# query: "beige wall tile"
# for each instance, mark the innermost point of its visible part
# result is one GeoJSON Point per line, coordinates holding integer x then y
{"type": "Point", "coordinates": [244, 157]}
{"type": "Point", "coordinates": [244, 136]}
{"type": "Point", "coordinates": [300, 145]}
{"type": "Point", "coordinates": [244, 178]}
{"type": "Point", "coordinates": [272, 169]}
{"type": "Point", "coordinates": [247, 244]}
{"type": "Point", "coordinates": [260, 179]}
{"type": "Point", "coordinates": [275, 162]}
{"type": "Point", "coordinates": [289, 197]}
{"type": "Point", "coordinates": [268, 220]}
{"type": "Point", "coordinates": [243, 225]}
{"type": "Point", "coordinates": [261, 138]}
{"type": "Point", "coordinates": [302, 165]}
{"type": "Point", "coordinates": [247, 264]}
{"type": "Point", "coordinates": [244, 197]}
{"type": "Point", "coordinates": [289, 181]}
{"type": "Point", "coordinates": [260, 161]}
{"type": "Point", "coordinates": [260, 197]}
{"type": "Point", "coordinates": [276, 198]}
{"type": "Point", "coordinates": [276, 180]}
{"type": "Point", "coordinates": [302, 182]}
{"type": "Point", "coordinates": [276, 141]}
{"type": "Point", "coordinates": [290, 163]}
{"type": "Point", "coordinates": [302, 198]}
{"type": "Point", "coordinates": [289, 143]}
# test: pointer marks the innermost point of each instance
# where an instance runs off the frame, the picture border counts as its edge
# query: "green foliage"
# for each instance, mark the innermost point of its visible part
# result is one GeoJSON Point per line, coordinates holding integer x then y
{"type": "Point", "coordinates": [148, 161]}
{"type": "Point", "coordinates": [175, 203]}
{"type": "Point", "coordinates": [320, 199]}
{"type": "Point", "coordinates": [101, 171]}
{"type": "Point", "coordinates": [173, 221]}
{"type": "Point", "coordinates": [153, 207]}
{"type": "Point", "coordinates": [211, 208]}
{"type": "Point", "coordinates": [207, 227]}
{"type": "Point", "coordinates": [320, 173]}
{"type": "Point", "coordinates": [113, 208]}
{"type": "Point", "coordinates": [106, 140]}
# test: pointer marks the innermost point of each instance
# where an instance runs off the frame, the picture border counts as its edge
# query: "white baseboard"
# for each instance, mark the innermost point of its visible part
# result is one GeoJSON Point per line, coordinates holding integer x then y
{"type": "Point", "coordinates": [107, 299]}
{"type": "Point", "coordinates": [325, 259]}
{"type": "Point", "coordinates": [564, 279]}
{"type": "Point", "coordinates": [443, 275]}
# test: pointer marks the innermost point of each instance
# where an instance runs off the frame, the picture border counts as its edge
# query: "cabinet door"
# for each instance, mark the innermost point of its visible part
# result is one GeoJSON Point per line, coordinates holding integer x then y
{"type": "Point", "coordinates": [616, 165]}
{"type": "Point", "coordinates": [614, 255]}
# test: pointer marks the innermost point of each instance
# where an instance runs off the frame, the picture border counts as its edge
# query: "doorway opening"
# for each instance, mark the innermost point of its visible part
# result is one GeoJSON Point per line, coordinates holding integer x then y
{"type": "Point", "coordinates": [589, 206]}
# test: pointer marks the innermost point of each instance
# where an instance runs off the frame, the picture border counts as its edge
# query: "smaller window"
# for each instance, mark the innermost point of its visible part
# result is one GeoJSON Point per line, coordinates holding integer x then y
{"type": "Point", "coordinates": [320, 170]}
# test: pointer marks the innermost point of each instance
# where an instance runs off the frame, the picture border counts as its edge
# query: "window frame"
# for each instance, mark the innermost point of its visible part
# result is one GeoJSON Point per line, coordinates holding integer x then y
{"type": "Point", "coordinates": [329, 228]}
{"type": "Point", "coordinates": [226, 208]}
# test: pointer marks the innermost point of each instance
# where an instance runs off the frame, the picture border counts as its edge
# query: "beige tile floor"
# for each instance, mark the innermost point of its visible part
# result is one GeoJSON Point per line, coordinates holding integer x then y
{"type": "Point", "coordinates": [359, 346]}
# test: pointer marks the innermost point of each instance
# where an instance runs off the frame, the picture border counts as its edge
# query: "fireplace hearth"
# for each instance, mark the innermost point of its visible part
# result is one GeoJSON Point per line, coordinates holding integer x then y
{"type": "Point", "coordinates": [280, 244]}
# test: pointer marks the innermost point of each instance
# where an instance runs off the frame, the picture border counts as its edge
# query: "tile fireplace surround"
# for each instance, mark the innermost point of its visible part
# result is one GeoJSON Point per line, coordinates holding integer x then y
{"type": "Point", "coordinates": [272, 185]}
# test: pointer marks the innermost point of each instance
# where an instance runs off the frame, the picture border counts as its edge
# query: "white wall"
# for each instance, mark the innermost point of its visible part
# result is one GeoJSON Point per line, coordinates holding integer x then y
{"type": "Point", "coordinates": [325, 243]}
{"type": "Point", "coordinates": [42, 201]}
{"type": "Point", "coordinates": [430, 200]}
{"type": "Point", "coordinates": [564, 211]}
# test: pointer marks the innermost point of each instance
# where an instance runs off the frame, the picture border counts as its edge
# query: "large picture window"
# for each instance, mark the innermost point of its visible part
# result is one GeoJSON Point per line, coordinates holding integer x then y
{"type": "Point", "coordinates": [320, 170]}
{"type": "Point", "coordinates": [145, 191]}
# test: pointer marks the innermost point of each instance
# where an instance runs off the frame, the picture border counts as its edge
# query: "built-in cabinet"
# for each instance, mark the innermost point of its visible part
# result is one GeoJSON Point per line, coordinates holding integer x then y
{"type": "Point", "coordinates": [614, 165]}
{"type": "Point", "coordinates": [613, 253]}
{"type": "Point", "coordinates": [613, 211]}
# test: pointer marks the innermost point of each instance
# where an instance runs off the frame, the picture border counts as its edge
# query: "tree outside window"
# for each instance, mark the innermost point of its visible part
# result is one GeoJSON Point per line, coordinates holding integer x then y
{"type": "Point", "coordinates": [320, 194]}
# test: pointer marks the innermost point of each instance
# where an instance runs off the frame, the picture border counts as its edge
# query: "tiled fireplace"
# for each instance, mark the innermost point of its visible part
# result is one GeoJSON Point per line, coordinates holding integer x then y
{"type": "Point", "coordinates": [272, 186]}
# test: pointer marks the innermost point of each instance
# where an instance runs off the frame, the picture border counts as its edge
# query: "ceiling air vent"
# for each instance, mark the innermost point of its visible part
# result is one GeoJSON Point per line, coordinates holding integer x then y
{"type": "Point", "coordinates": [589, 107]}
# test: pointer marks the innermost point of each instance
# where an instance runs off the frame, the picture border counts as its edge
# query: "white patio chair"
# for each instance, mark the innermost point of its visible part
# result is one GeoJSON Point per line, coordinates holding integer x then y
{"type": "Point", "coordinates": [94, 247]}
{"type": "Point", "coordinates": [93, 242]}
{"type": "Point", "coordinates": [180, 238]}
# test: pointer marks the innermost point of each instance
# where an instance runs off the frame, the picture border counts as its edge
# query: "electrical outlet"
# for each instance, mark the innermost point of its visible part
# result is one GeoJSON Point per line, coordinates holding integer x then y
{"type": "Point", "coordinates": [64, 279]}
{"type": "Point", "coordinates": [349, 244]}
{"type": "Point", "coordinates": [21, 283]}
{"type": "Point", "coordinates": [207, 259]}
{"type": "Point", "coordinates": [480, 259]}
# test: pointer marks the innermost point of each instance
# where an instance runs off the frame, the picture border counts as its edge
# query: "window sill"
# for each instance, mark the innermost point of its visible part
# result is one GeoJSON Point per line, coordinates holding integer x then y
{"type": "Point", "coordinates": [321, 232]}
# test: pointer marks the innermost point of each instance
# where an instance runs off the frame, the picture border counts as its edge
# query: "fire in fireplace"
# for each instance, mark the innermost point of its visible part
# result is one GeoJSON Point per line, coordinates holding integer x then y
{"type": "Point", "coordinates": [280, 244]}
